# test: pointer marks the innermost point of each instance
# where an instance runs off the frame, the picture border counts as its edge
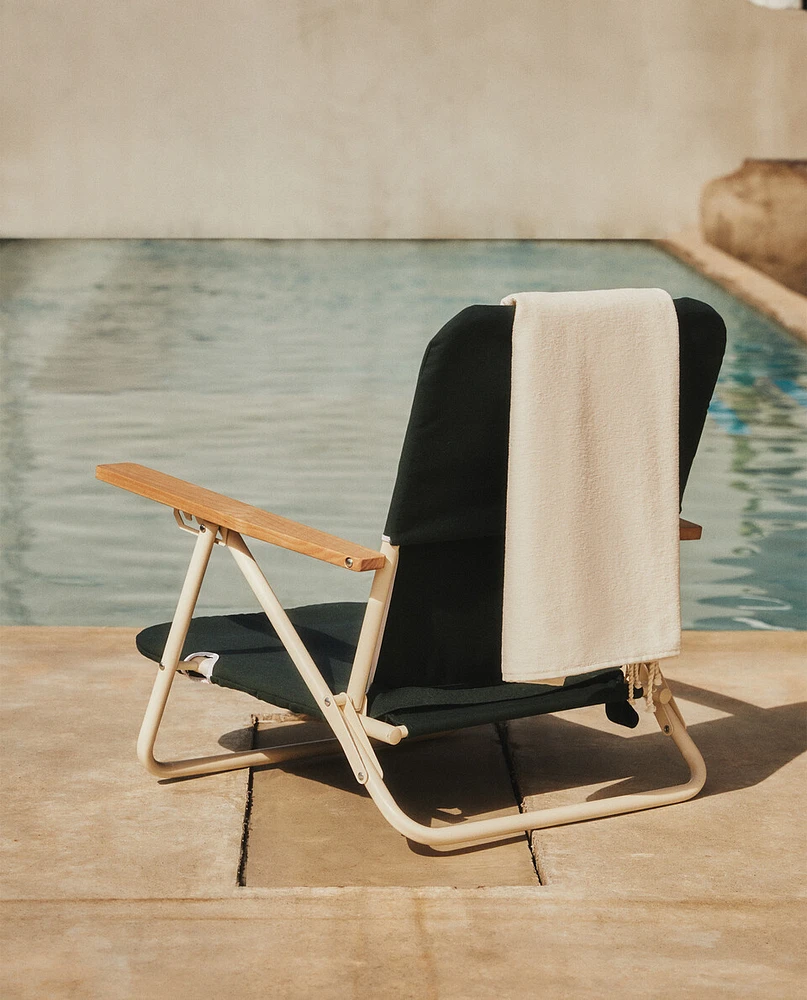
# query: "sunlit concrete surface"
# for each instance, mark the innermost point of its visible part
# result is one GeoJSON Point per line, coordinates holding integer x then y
{"type": "Point", "coordinates": [410, 944]}
{"type": "Point", "coordinates": [81, 816]}
{"type": "Point", "coordinates": [118, 886]}
{"type": "Point", "coordinates": [298, 811]}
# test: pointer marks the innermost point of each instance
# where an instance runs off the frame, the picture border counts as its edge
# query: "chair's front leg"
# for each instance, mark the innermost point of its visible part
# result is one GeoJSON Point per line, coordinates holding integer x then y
{"type": "Point", "coordinates": [205, 540]}
{"type": "Point", "coordinates": [343, 736]}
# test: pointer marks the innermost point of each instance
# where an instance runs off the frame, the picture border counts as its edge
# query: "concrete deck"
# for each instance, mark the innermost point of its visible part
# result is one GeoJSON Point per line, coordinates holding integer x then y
{"type": "Point", "coordinates": [119, 886]}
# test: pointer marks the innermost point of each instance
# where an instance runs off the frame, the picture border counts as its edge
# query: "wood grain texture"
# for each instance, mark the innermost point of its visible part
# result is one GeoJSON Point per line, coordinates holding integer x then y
{"type": "Point", "coordinates": [690, 531]}
{"type": "Point", "coordinates": [241, 517]}
{"type": "Point", "coordinates": [256, 523]}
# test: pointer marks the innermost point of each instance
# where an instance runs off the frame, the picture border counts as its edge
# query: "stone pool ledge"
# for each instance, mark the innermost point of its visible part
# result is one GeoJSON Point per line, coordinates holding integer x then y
{"type": "Point", "coordinates": [751, 286]}
{"type": "Point", "coordinates": [117, 886]}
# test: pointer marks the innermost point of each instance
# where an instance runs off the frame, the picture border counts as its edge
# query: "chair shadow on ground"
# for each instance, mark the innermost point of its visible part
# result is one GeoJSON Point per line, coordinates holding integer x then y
{"type": "Point", "coordinates": [741, 749]}
{"type": "Point", "coordinates": [466, 774]}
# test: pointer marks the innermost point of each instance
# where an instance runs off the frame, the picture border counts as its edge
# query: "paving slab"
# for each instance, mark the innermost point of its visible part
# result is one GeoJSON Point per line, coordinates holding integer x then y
{"type": "Point", "coordinates": [311, 824]}
{"type": "Point", "coordinates": [117, 885]}
{"type": "Point", "coordinates": [743, 696]}
{"type": "Point", "coordinates": [447, 944]}
{"type": "Point", "coordinates": [81, 817]}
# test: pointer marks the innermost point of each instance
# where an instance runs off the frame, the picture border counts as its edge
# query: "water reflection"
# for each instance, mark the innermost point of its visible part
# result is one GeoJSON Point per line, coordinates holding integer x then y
{"type": "Point", "coordinates": [760, 406]}
{"type": "Point", "coordinates": [282, 373]}
{"type": "Point", "coordinates": [16, 462]}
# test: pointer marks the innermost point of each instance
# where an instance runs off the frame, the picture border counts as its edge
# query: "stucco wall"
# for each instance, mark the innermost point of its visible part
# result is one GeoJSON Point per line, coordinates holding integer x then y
{"type": "Point", "coordinates": [418, 118]}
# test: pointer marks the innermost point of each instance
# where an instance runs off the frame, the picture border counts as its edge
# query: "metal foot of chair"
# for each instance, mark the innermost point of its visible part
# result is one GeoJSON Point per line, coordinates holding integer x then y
{"type": "Point", "coordinates": [480, 831]}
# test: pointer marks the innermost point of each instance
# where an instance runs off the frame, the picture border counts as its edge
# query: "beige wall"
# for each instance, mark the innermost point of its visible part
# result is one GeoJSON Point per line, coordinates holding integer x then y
{"type": "Point", "coordinates": [417, 118]}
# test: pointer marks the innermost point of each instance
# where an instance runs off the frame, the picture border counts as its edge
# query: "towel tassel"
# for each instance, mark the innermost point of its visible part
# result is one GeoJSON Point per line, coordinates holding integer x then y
{"type": "Point", "coordinates": [646, 676]}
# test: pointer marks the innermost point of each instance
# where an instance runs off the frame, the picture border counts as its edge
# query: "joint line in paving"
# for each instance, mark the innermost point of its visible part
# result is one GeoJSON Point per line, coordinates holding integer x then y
{"type": "Point", "coordinates": [501, 732]}
{"type": "Point", "coordinates": [241, 876]}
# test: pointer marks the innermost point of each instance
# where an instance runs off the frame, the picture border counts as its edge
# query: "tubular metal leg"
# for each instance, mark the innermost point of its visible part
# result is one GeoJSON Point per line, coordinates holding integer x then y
{"type": "Point", "coordinates": [474, 832]}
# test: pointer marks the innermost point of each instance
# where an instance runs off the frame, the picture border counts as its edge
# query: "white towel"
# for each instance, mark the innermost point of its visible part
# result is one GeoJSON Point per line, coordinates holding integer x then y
{"type": "Point", "coordinates": [591, 574]}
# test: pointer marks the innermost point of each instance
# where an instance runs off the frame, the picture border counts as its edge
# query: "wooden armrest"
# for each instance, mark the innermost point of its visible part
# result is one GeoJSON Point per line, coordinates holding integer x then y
{"type": "Point", "coordinates": [689, 531]}
{"type": "Point", "coordinates": [241, 517]}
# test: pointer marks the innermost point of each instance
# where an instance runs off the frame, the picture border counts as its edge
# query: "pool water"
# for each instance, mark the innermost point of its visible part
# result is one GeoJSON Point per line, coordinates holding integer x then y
{"type": "Point", "coordinates": [281, 373]}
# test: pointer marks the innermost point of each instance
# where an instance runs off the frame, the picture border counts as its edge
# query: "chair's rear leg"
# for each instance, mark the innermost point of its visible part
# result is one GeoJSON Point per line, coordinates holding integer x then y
{"type": "Point", "coordinates": [477, 831]}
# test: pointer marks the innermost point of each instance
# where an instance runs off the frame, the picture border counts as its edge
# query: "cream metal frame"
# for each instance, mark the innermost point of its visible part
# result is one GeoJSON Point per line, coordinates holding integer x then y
{"type": "Point", "coordinates": [346, 712]}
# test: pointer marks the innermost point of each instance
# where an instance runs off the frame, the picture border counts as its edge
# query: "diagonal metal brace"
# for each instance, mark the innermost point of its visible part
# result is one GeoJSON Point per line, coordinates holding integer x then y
{"type": "Point", "coordinates": [357, 731]}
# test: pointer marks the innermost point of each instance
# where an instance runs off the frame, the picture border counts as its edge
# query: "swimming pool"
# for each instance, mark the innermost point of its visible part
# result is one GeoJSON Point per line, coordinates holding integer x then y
{"type": "Point", "coordinates": [282, 373]}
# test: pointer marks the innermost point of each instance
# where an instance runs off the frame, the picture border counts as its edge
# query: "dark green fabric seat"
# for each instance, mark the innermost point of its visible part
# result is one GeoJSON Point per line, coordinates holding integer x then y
{"type": "Point", "coordinates": [253, 659]}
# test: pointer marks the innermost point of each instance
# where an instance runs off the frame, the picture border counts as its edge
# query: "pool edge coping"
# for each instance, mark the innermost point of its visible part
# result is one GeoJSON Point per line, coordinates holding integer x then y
{"type": "Point", "coordinates": [758, 290]}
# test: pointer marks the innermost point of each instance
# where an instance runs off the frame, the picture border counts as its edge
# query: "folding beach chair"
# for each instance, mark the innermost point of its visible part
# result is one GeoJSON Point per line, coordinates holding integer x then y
{"type": "Point", "coordinates": [423, 655]}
